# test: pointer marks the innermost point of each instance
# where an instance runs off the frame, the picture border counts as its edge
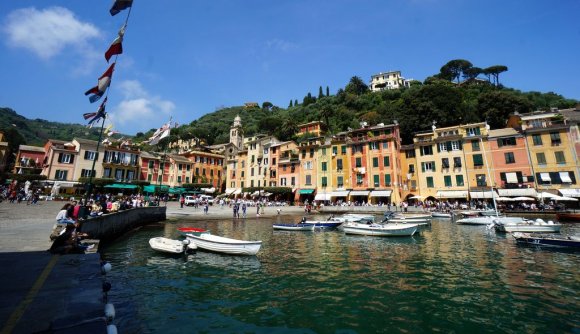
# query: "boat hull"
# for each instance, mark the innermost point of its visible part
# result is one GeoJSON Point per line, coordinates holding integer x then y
{"type": "Point", "coordinates": [568, 216]}
{"type": "Point", "coordinates": [294, 227]}
{"type": "Point", "coordinates": [191, 230]}
{"type": "Point", "coordinates": [394, 230]}
{"type": "Point", "coordinates": [523, 238]}
{"type": "Point", "coordinates": [441, 215]}
{"type": "Point", "coordinates": [486, 220]}
{"type": "Point", "coordinates": [225, 245]}
{"type": "Point", "coordinates": [166, 245]}
{"type": "Point", "coordinates": [529, 228]}
{"type": "Point", "coordinates": [323, 223]}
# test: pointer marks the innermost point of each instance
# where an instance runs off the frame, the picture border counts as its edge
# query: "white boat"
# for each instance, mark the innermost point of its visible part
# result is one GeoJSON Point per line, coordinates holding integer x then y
{"type": "Point", "coordinates": [529, 226]}
{"type": "Point", "coordinates": [167, 245]}
{"type": "Point", "coordinates": [397, 218]}
{"type": "Point", "coordinates": [294, 227]}
{"type": "Point", "coordinates": [225, 245]}
{"type": "Point", "coordinates": [487, 220]}
{"type": "Point", "coordinates": [386, 230]}
{"type": "Point", "coordinates": [353, 217]}
{"type": "Point", "coordinates": [439, 214]}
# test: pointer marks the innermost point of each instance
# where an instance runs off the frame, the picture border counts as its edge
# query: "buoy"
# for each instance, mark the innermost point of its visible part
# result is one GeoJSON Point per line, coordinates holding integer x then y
{"type": "Point", "coordinates": [107, 286]}
{"type": "Point", "coordinates": [110, 312]}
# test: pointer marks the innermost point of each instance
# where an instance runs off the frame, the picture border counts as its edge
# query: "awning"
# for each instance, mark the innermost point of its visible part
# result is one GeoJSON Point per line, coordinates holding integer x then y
{"type": "Point", "coordinates": [322, 197]}
{"type": "Point", "coordinates": [152, 189]}
{"type": "Point", "coordinates": [339, 193]}
{"type": "Point", "coordinates": [359, 193]}
{"type": "Point", "coordinates": [65, 184]}
{"type": "Point", "coordinates": [546, 194]}
{"type": "Point", "coordinates": [306, 191]}
{"type": "Point", "coordinates": [530, 192]}
{"type": "Point", "coordinates": [177, 190]}
{"type": "Point", "coordinates": [565, 177]}
{"type": "Point", "coordinates": [570, 192]}
{"type": "Point", "coordinates": [511, 177]}
{"type": "Point", "coordinates": [452, 194]}
{"type": "Point", "coordinates": [545, 177]}
{"type": "Point", "coordinates": [381, 193]}
{"type": "Point", "coordinates": [237, 191]}
{"type": "Point", "coordinates": [230, 191]}
{"type": "Point", "coordinates": [481, 194]}
{"type": "Point", "coordinates": [121, 186]}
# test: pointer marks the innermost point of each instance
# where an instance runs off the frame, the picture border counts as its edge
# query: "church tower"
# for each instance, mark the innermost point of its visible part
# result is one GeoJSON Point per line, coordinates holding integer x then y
{"type": "Point", "coordinates": [237, 133]}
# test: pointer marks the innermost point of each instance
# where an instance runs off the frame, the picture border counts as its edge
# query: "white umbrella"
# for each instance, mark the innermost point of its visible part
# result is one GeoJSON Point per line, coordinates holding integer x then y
{"type": "Point", "coordinates": [504, 199]}
{"type": "Point", "coordinates": [564, 198]}
{"type": "Point", "coordinates": [545, 194]}
{"type": "Point", "coordinates": [416, 197]}
{"type": "Point", "coordinates": [523, 198]}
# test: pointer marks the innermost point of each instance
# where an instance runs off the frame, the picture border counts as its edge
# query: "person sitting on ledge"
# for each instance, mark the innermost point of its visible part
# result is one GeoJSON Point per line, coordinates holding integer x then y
{"type": "Point", "coordinates": [63, 217]}
{"type": "Point", "coordinates": [67, 242]}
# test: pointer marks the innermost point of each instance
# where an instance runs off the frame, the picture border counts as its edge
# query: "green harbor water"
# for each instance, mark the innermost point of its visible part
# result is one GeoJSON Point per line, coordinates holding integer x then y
{"type": "Point", "coordinates": [449, 279]}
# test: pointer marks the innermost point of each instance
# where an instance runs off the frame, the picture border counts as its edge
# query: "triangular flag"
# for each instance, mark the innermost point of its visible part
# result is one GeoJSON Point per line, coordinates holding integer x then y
{"type": "Point", "coordinates": [104, 81]}
{"type": "Point", "coordinates": [99, 114]}
{"type": "Point", "coordinates": [120, 5]}
{"type": "Point", "coordinates": [116, 47]}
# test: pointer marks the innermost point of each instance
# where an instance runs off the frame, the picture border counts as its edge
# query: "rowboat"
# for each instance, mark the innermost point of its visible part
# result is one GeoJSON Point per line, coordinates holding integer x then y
{"type": "Point", "coordinates": [224, 245]}
{"type": "Point", "coordinates": [387, 230]}
{"type": "Point", "coordinates": [530, 226]}
{"type": "Point", "coordinates": [558, 241]}
{"type": "Point", "coordinates": [294, 227]}
{"type": "Point", "coordinates": [191, 230]}
{"type": "Point", "coordinates": [167, 245]}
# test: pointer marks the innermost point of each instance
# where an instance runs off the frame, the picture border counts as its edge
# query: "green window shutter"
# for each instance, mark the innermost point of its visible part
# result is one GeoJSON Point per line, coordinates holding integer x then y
{"type": "Point", "coordinates": [447, 179]}
{"type": "Point", "coordinates": [386, 161]}
{"type": "Point", "coordinates": [376, 180]}
{"type": "Point", "coordinates": [459, 180]}
{"type": "Point", "coordinates": [430, 182]}
{"type": "Point", "coordinates": [477, 160]}
{"type": "Point", "coordinates": [423, 167]}
{"type": "Point", "coordinates": [388, 180]}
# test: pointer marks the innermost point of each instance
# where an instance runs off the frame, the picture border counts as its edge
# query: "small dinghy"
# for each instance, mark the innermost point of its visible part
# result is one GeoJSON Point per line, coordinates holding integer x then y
{"type": "Point", "coordinates": [166, 245]}
{"type": "Point", "coordinates": [218, 244]}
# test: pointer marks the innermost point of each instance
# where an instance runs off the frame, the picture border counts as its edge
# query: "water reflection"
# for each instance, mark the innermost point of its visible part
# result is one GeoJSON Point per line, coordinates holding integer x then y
{"type": "Point", "coordinates": [447, 278]}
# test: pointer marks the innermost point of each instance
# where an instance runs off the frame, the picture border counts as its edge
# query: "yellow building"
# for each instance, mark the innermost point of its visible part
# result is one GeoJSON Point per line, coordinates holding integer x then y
{"type": "Point", "coordinates": [340, 168]}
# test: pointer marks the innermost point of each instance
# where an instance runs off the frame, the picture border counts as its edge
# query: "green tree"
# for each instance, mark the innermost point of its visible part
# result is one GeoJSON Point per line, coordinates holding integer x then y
{"type": "Point", "coordinates": [320, 94]}
{"type": "Point", "coordinates": [267, 105]}
{"type": "Point", "coordinates": [497, 105]}
{"type": "Point", "coordinates": [495, 71]}
{"type": "Point", "coordinates": [327, 91]}
{"type": "Point", "coordinates": [296, 102]}
{"type": "Point", "coordinates": [290, 105]}
{"type": "Point", "coordinates": [455, 68]}
{"type": "Point", "coordinates": [356, 86]}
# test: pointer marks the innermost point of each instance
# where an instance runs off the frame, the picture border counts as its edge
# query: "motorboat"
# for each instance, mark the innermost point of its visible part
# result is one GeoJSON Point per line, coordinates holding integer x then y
{"type": "Point", "coordinates": [426, 215]}
{"type": "Point", "coordinates": [487, 220]}
{"type": "Point", "coordinates": [191, 230]}
{"type": "Point", "coordinates": [549, 240]}
{"type": "Point", "coordinates": [380, 230]}
{"type": "Point", "coordinates": [225, 245]}
{"type": "Point", "coordinates": [167, 245]}
{"type": "Point", "coordinates": [531, 226]}
{"type": "Point", "coordinates": [331, 222]}
{"type": "Point", "coordinates": [353, 217]}
{"type": "Point", "coordinates": [294, 227]}
{"type": "Point", "coordinates": [399, 218]}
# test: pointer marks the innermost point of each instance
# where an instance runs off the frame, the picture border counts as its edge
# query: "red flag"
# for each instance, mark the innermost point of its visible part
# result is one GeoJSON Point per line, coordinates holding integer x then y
{"type": "Point", "coordinates": [116, 47]}
{"type": "Point", "coordinates": [104, 81]}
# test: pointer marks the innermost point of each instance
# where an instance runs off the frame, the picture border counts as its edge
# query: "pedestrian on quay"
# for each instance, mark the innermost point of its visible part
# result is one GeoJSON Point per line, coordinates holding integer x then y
{"type": "Point", "coordinates": [244, 208]}
{"type": "Point", "coordinates": [258, 209]}
{"type": "Point", "coordinates": [182, 201]}
{"type": "Point", "coordinates": [206, 208]}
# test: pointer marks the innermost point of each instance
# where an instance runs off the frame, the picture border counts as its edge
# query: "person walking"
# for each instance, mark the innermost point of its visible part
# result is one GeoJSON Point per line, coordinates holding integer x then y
{"type": "Point", "coordinates": [206, 208]}
{"type": "Point", "coordinates": [182, 201]}
{"type": "Point", "coordinates": [244, 208]}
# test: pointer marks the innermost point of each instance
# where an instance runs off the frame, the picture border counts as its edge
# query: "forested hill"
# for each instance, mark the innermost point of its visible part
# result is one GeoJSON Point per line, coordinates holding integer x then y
{"type": "Point", "coordinates": [414, 108]}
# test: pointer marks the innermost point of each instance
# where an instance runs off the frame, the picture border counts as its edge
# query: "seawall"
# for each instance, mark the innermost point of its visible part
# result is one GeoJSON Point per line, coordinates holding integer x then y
{"type": "Point", "coordinates": [110, 226]}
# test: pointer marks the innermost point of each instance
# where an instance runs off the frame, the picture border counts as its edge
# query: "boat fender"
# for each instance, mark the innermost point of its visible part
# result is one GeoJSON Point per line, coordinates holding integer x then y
{"type": "Point", "coordinates": [110, 312]}
{"type": "Point", "coordinates": [185, 242]}
{"type": "Point", "coordinates": [105, 267]}
{"type": "Point", "coordinates": [111, 329]}
{"type": "Point", "coordinates": [550, 222]}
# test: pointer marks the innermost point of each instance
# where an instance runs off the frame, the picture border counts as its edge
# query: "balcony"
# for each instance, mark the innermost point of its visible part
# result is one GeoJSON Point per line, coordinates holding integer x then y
{"type": "Point", "coordinates": [288, 158]}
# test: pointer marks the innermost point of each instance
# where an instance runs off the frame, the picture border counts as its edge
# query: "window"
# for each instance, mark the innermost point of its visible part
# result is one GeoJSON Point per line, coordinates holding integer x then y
{"type": "Point", "coordinates": [334, 150]}
{"type": "Point", "coordinates": [373, 145]}
{"type": "Point", "coordinates": [87, 173]}
{"type": "Point", "coordinates": [510, 141]}
{"type": "Point", "coordinates": [308, 180]}
{"type": "Point", "coordinates": [477, 160]}
{"type": "Point", "coordinates": [312, 153]}
{"type": "Point", "coordinates": [445, 162]}
{"type": "Point", "coordinates": [358, 162]}
{"type": "Point", "coordinates": [359, 179]}
{"type": "Point", "coordinates": [339, 164]}
{"type": "Point", "coordinates": [187, 181]}
{"type": "Point", "coordinates": [65, 158]}
{"type": "Point", "coordinates": [340, 182]}
{"type": "Point", "coordinates": [447, 179]}
{"type": "Point", "coordinates": [107, 172]}
{"type": "Point", "coordinates": [324, 166]}
{"type": "Point", "coordinates": [376, 180]}
{"type": "Point", "coordinates": [91, 155]}
{"type": "Point", "coordinates": [343, 149]}
{"type": "Point", "coordinates": [560, 158]}
{"type": "Point", "coordinates": [459, 180]}
{"type": "Point", "coordinates": [537, 139]}
{"type": "Point", "coordinates": [188, 168]}
{"type": "Point", "coordinates": [252, 171]}
{"type": "Point", "coordinates": [386, 161]}
{"type": "Point", "coordinates": [151, 163]}
{"type": "Point", "coordinates": [555, 137]}
{"type": "Point", "coordinates": [442, 147]}
{"type": "Point", "coordinates": [481, 181]}
{"type": "Point", "coordinates": [475, 145]}
{"type": "Point", "coordinates": [509, 158]}
{"type": "Point", "coordinates": [387, 180]}
{"type": "Point", "coordinates": [375, 162]}
{"type": "Point", "coordinates": [411, 168]}
{"type": "Point", "coordinates": [303, 154]}
{"type": "Point", "coordinates": [308, 165]}
{"type": "Point", "coordinates": [428, 166]}
{"type": "Point", "coordinates": [293, 181]}
{"type": "Point", "coordinates": [149, 177]}
{"type": "Point", "coordinates": [410, 153]}
{"type": "Point", "coordinates": [179, 167]}
{"type": "Point", "coordinates": [430, 182]}
{"type": "Point", "coordinates": [119, 174]}
{"type": "Point", "coordinates": [426, 150]}
{"type": "Point", "coordinates": [324, 181]}
{"type": "Point", "coordinates": [473, 132]}
{"type": "Point", "coordinates": [283, 181]}
{"type": "Point", "coordinates": [456, 162]}
{"type": "Point", "coordinates": [385, 145]}
{"type": "Point", "coordinates": [273, 161]}
{"type": "Point", "coordinates": [179, 179]}
{"type": "Point", "coordinates": [541, 157]}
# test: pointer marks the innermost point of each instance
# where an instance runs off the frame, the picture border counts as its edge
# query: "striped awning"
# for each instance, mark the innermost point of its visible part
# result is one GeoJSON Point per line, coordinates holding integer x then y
{"type": "Point", "coordinates": [511, 177]}
{"type": "Point", "coordinates": [452, 194]}
{"type": "Point", "coordinates": [359, 193]}
{"type": "Point", "coordinates": [570, 192]}
{"type": "Point", "coordinates": [381, 193]}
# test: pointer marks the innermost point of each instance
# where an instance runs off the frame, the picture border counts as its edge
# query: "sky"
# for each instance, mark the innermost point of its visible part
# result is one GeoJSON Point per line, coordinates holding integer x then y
{"type": "Point", "coordinates": [183, 59]}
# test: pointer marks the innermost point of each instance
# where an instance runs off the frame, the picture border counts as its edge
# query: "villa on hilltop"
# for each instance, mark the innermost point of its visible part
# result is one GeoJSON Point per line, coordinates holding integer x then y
{"type": "Point", "coordinates": [388, 80]}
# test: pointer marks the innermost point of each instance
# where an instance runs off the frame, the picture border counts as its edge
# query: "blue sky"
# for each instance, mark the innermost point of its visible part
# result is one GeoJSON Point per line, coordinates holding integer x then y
{"type": "Point", "coordinates": [184, 58]}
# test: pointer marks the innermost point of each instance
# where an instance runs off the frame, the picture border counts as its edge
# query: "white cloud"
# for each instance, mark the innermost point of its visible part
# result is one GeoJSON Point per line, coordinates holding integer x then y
{"type": "Point", "coordinates": [47, 32]}
{"type": "Point", "coordinates": [139, 110]}
{"type": "Point", "coordinates": [279, 44]}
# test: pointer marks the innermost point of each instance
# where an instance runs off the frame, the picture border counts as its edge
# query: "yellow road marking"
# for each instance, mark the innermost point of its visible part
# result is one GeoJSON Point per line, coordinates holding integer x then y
{"type": "Point", "coordinates": [19, 311]}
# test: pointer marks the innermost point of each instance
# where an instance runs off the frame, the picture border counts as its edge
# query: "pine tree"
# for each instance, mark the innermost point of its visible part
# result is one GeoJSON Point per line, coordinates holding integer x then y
{"type": "Point", "coordinates": [327, 91]}
{"type": "Point", "coordinates": [320, 94]}
{"type": "Point", "coordinates": [296, 102]}
{"type": "Point", "coordinates": [290, 105]}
